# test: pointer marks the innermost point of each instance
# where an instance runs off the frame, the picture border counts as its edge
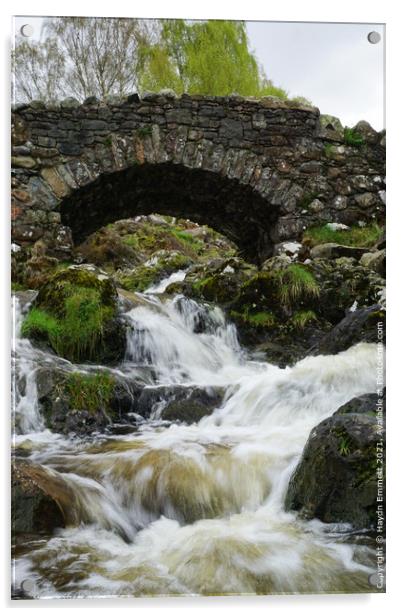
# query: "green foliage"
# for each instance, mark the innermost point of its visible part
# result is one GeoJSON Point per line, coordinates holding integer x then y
{"type": "Point", "coordinates": [78, 333]}
{"type": "Point", "coordinates": [89, 392]}
{"type": "Point", "coordinates": [296, 283]}
{"type": "Point", "coordinates": [71, 313]}
{"type": "Point", "coordinates": [355, 236]}
{"type": "Point", "coordinates": [264, 319]}
{"type": "Point", "coordinates": [302, 318]}
{"type": "Point", "coordinates": [143, 276]}
{"type": "Point", "coordinates": [188, 239]}
{"type": "Point", "coordinates": [344, 448]}
{"type": "Point", "coordinates": [204, 57]}
{"type": "Point", "coordinates": [353, 137]}
{"type": "Point", "coordinates": [39, 324]}
{"type": "Point", "coordinates": [150, 238]}
{"type": "Point", "coordinates": [144, 131]}
{"type": "Point", "coordinates": [17, 286]}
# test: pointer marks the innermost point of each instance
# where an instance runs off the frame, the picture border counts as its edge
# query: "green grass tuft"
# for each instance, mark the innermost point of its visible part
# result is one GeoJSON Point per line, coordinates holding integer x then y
{"type": "Point", "coordinates": [77, 334]}
{"type": "Point", "coordinates": [89, 392]}
{"type": "Point", "coordinates": [353, 137]}
{"type": "Point", "coordinates": [18, 286]}
{"type": "Point", "coordinates": [188, 239]}
{"type": "Point", "coordinates": [302, 318]}
{"type": "Point", "coordinates": [356, 236]}
{"type": "Point", "coordinates": [258, 319]}
{"type": "Point", "coordinates": [296, 283]}
{"type": "Point", "coordinates": [39, 324]}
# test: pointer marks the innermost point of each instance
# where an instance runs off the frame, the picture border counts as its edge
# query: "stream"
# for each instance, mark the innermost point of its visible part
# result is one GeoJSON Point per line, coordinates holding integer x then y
{"type": "Point", "coordinates": [192, 509]}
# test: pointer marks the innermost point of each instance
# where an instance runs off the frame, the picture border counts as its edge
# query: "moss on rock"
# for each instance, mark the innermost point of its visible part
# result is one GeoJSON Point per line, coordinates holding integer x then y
{"type": "Point", "coordinates": [75, 313]}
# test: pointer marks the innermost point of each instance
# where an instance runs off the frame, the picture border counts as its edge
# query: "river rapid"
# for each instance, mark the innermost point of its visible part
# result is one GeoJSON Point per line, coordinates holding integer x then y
{"type": "Point", "coordinates": [191, 509]}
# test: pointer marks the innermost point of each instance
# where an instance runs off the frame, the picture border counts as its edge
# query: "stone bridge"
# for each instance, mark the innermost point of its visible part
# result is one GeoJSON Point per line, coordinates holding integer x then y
{"type": "Point", "coordinates": [258, 171]}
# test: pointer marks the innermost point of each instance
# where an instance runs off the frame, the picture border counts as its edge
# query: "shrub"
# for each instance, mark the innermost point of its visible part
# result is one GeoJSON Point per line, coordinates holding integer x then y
{"type": "Point", "coordinates": [296, 282]}
{"type": "Point", "coordinates": [302, 318]}
{"type": "Point", "coordinates": [353, 137]}
{"type": "Point", "coordinates": [89, 392]}
{"type": "Point", "coordinates": [355, 236]}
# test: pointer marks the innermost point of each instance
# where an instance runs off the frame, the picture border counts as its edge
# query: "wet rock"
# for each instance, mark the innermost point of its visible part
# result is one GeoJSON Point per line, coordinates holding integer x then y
{"type": "Point", "coordinates": [217, 281]}
{"type": "Point", "coordinates": [179, 403]}
{"type": "Point", "coordinates": [361, 325]}
{"type": "Point", "coordinates": [366, 403]}
{"type": "Point", "coordinates": [290, 249]}
{"type": "Point", "coordinates": [34, 508]}
{"type": "Point", "coordinates": [332, 250]}
{"type": "Point", "coordinates": [375, 261]}
{"type": "Point", "coordinates": [336, 479]}
{"type": "Point", "coordinates": [25, 298]}
{"type": "Point", "coordinates": [198, 404]}
{"type": "Point", "coordinates": [344, 283]}
{"type": "Point", "coordinates": [159, 266]}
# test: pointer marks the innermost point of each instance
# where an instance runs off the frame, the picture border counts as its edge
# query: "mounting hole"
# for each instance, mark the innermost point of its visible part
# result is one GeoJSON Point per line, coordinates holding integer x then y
{"type": "Point", "coordinates": [27, 30]}
{"type": "Point", "coordinates": [374, 37]}
{"type": "Point", "coordinates": [28, 586]}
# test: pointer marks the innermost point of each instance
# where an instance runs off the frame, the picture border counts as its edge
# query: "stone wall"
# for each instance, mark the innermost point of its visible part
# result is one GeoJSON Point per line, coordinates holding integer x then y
{"type": "Point", "coordinates": [259, 171]}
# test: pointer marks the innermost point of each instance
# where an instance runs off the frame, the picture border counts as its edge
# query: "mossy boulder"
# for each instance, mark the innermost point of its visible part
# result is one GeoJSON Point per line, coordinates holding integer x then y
{"type": "Point", "coordinates": [84, 402]}
{"type": "Point", "coordinates": [218, 280]}
{"type": "Point", "coordinates": [336, 479]}
{"type": "Point", "coordinates": [107, 247]}
{"type": "Point", "coordinates": [159, 266]}
{"type": "Point", "coordinates": [76, 314]}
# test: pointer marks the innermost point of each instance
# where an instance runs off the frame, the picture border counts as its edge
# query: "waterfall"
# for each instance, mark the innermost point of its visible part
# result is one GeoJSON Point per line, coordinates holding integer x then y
{"type": "Point", "coordinates": [199, 508]}
{"type": "Point", "coordinates": [27, 417]}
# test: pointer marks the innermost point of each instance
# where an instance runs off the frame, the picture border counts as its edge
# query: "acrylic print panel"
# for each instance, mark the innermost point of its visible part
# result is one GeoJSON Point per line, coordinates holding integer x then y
{"type": "Point", "coordinates": [198, 259]}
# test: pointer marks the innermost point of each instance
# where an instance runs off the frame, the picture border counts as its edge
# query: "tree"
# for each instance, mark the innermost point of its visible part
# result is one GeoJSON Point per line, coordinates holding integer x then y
{"type": "Point", "coordinates": [81, 57]}
{"type": "Point", "coordinates": [102, 53]}
{"type": "Point", "coordinates": [209, 57]}
{"type": "Point", "coordinates": [38, 70]}
{"type": "Point", "coordinates": [93, 56]}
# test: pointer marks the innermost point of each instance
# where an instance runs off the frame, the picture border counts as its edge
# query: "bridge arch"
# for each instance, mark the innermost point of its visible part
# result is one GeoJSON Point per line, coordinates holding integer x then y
{"type": "Point", "coordinates": [205, 197]}
{"type": "Point", "coordinates": [259, 171]}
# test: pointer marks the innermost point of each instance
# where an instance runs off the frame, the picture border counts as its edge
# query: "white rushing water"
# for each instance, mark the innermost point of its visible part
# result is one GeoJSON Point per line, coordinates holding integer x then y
{"type": "Point", "coordinates": [160, 287]}
{"type": "Point", "coordinates": [197, 509]}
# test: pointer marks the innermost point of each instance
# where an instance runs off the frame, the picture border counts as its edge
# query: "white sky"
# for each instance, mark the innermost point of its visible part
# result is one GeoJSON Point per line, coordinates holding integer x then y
{"type": "Point", "coordinates": [333, 65]}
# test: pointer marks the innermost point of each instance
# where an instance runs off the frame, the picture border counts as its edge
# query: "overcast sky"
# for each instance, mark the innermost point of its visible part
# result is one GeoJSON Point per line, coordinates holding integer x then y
{"type": "Point", "coordinates": [333, 65]}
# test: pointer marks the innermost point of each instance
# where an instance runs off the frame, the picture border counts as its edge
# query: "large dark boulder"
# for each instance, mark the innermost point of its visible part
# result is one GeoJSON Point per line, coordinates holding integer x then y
{"type": "Point", "coordinates": [76, 314]}
{"type": "Point", "coordinates": [336, 479]}
{"type": "Point", "coordinates": [34, 508]}
{"type": "Point", "coordinates": [343, 283]}
{"type": "Point", "coordinates": [362, 325]}
{"type": "Point", "coordinates": [179, 403]}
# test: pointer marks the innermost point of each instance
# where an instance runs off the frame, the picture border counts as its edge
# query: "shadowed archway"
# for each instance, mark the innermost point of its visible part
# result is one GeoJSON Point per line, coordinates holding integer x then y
{"type": "Point", "coordinates": [205, 197]}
